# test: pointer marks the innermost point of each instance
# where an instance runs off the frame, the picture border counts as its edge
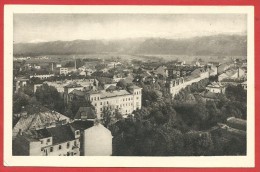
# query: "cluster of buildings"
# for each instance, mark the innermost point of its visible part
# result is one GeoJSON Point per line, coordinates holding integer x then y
{"type": "Point", "coordinates": [48, 133]}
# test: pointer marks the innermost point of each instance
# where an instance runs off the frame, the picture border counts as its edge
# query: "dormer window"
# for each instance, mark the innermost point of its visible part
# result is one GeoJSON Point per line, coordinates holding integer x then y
{"type": "Point", "coordinates": [77, 132]}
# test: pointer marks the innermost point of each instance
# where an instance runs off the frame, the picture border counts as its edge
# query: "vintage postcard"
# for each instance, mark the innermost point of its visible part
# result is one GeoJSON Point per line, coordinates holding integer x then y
{"type": "Point", "coordinates": [129, 86]}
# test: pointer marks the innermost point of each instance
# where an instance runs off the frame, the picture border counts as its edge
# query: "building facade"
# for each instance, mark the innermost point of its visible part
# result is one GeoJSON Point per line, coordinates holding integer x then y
{"type": "Point", "coordinates": [175, 85]}
{"type": "Point", "coordinates": [122, 100]}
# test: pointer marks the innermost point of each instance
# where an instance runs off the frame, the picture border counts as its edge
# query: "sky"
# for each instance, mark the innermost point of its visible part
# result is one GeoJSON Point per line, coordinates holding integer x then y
{"type": "Point", "coordinates": [67, 27]}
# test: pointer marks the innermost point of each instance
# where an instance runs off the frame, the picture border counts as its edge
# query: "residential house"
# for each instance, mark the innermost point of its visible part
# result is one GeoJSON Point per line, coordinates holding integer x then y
{"type": "Point", "coordinates": [216, 87]}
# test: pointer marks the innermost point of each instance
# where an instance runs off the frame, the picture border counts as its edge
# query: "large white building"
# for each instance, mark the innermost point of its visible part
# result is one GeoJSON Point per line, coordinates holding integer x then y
{"type": "Point", "coordinates": [125, 101]}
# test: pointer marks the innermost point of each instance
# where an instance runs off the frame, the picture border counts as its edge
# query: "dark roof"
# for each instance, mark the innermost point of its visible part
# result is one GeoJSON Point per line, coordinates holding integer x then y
{"type": "Point", "coordinates": [82, 125]}
{"type": "Point", "coordinates": [210, 95]}
{"type": "Point", "coordinates": [73, 85]}
{"type": "Point", "coordinates": [40, 134]}
{"type": "Point", "coordinates": [111, 88]}
{"type": "Point", "coordinates": [237, 123]}
{"type": "Point", "coordinates": [85, 113]}
{"type": "Point", "coordinates": [61, 134]}
{"type": "Point", "coordinates": [78, 92]}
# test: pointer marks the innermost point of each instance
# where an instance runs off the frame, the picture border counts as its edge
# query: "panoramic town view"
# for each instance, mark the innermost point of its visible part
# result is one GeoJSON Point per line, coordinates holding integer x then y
{"type": "Point", "coordinates": [129, 85]}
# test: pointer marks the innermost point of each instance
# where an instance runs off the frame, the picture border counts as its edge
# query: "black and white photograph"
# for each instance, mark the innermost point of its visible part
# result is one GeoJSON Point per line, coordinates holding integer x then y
{"type": "Point", "coordinates": [108, 82]}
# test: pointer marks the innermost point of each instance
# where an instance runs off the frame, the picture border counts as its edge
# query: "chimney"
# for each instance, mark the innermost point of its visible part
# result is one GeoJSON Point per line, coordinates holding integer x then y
{"type": "Point", "coordinates": [75, 64]}
{"type": "Point", "coordinates": [23, 112]}
{"type": "Point", "coordinates": [20, 132]}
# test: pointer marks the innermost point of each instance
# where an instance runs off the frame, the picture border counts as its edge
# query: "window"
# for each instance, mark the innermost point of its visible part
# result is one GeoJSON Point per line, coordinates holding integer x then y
{"type": "Point", "coordinates": [100, 103]}
{"type": "Point", "coordinates": [59, 147]}
{"type": "Point", "coordinates": [77, 132]}
{"type": "Point", "coordinates": [95, 104]}
{"type": "Point", "coordinates": [41, 141]}
{"type": "Point", "coordinates": [68, 144]}
{"type": "Point", "coordinates": [48, 140]}
{"type": "Point", "coordinates": [51, 149]}
{"type": "Point", "coordinates": [101, 109]}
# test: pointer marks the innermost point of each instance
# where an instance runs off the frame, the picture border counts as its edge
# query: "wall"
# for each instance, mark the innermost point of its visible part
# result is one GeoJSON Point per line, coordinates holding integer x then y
{"type": "Point", "coordinates": [174, 90]}
{"type": "Point", "coordinates": [97, 141]}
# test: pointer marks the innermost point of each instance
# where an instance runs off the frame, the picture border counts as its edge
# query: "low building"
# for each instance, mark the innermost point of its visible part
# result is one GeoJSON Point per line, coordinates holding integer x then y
{"type": "Point", "coordinates": [85, 113]}
{"type": "Point", "coordinates": [234, 74]}
{"type": "Point", "coordinates": [64, 71]}
{"type": "Point", "coordinates": [56, 141]}
{"type": "Point", "coordinates": [36, 117]}
{"type": "Point", "coordinates": [244, 85]}
{"type": "Point", "coordinates": [42, 76]}
{"type": "Point", "coordinates": [216, 87]}
{"type": "Point", "coordinates": [20, 82]}
{"type": "Point", "coordinates": [237, 123]}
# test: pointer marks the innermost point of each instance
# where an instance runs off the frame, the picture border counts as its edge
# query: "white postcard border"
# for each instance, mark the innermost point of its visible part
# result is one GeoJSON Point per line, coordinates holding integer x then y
{"type": "Point", "coordinates": [100, 161]}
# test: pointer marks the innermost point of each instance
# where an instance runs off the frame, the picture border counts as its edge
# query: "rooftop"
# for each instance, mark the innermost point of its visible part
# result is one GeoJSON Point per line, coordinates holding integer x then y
{"type": "Point", "coordinates": [215, 85]}
{"type": "Point", "coordinates": [73, 85]}
{"type": "Point", "coordinates": [82, 125]}
{"type": "Point", "coordinates": [61, 134]}
{"type": "Point", "coordinates": [85, 113]}
{"type": "Point", "coordinates": [106, 94]}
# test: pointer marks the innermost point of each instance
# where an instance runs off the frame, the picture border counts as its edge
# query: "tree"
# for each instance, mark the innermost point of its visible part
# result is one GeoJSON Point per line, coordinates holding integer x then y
{"type": "Point", "coordinates": [106, 117]}
{"type": "Point", "coordinates": [49, 96]}
{"type": "Point", "coordinates": [19, 100]}
{"type": "Point", "coordinates": [76, 103]}
{"type": "Point", "coordinates": [236, 93]}
{"type": "Point", "coordinates": [122, 84]}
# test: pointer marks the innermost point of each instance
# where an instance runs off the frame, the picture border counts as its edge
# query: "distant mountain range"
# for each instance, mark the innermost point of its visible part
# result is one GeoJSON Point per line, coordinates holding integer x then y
{"type": "Point", "coordinates": [220, 45]}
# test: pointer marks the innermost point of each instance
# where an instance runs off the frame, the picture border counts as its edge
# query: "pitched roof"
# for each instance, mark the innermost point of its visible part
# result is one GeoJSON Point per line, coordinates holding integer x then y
{"type": "Point", "coordinates": [38, 120]}
{"type": "Point", "coordinates": [61, 134]}
{"type": "Point", "coordinates": [39, 134]}
{"type": "Point", "coordinates": [106, 94]}
{"type": "Point", "coordinates": [81, 125]}
{"type": "Point", "coordinates": [73, 85]}
{"type": "Point", "coordinates": [215, 85]}
{"type": "Point", "coordinates": [85, 113]}
{"type": "Point", "coordinates": [237, 123]}
{"type": "Point", "coordinates": [210, 95]}
{"type": "Point", "coordinates": [77, 92]}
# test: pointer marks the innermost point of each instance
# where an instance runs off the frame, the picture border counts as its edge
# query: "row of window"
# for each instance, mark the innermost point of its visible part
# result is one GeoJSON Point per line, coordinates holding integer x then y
{"type": "Point", "coordinates": [59, 147]}
{"type": "Point", "coordinates": [138, 92]}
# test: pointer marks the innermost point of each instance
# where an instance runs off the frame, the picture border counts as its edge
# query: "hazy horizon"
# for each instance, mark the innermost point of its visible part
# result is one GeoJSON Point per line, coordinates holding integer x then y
{"type": "Point", "coordinates": [32, 28]}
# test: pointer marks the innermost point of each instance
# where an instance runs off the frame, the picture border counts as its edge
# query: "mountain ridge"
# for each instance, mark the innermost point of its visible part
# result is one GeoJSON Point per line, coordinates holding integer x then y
{"type": "Point", "coordinates": [229, 45]}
